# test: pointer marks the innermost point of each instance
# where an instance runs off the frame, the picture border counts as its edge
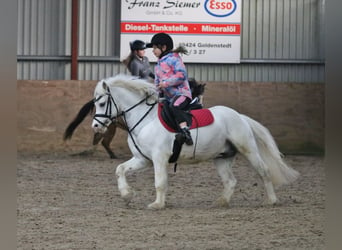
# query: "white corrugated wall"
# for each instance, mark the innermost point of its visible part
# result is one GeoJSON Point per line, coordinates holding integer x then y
{"type": "Point", "coordinates": [281, 41]}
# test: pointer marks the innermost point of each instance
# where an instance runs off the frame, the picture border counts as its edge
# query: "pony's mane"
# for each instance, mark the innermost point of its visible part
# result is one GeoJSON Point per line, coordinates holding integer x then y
{"type": "Point", "coordinates": [130, 83]}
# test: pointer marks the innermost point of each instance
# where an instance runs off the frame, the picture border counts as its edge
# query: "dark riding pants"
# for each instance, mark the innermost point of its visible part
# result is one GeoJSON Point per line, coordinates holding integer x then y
{"type": "Point", "coordinates": [178, 107]}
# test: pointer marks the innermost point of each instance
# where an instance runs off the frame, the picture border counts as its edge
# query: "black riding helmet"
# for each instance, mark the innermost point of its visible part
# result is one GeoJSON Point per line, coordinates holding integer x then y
{"type": "Point", "coordinates": [161, 39]}
{"type": "Point", "coordinates": [137, 45]}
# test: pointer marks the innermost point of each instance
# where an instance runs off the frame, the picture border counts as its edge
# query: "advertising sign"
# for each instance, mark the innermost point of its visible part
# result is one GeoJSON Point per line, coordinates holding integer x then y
{"type": "Point", "coordinates": [209, 29]}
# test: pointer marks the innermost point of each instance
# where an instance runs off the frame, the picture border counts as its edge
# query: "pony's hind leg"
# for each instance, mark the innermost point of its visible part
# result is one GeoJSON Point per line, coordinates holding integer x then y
{"type": "Point", "coordinates": [256, 161]}
{"type": "Point", "coordinates": [224, 169]}
{"type": "Point", "coordinates": [121, 170]}
{"type": "Point", "coordinates": [246, 144]}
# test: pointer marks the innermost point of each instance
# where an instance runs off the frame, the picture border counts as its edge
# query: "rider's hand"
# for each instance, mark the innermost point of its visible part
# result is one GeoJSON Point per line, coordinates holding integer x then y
{"type": "Point", "coordinates": [162, 85]}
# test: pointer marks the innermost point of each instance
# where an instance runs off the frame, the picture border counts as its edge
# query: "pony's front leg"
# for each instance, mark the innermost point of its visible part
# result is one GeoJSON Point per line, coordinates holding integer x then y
{"type": "Point", "coordinates": [161, 185]}
{"type": "Point", "coordinates": [130, 165]}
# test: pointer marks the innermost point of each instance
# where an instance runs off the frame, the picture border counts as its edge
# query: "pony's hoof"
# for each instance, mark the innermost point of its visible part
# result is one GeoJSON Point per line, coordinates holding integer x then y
{"type": "Point", "coordinates": [221, 202]}
{"type": "Point", "coordinates": [269, 202]}
{"type": "Point", "coordinates": [155, 206]}
{"type": "Point", "coordinates": [128, 197]}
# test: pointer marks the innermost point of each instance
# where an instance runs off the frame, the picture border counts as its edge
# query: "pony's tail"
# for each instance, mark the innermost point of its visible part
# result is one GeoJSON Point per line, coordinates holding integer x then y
{"type": "Point", "coordinates": [84, 111]}
{"type": "Point", "coordinates": [280, 173]}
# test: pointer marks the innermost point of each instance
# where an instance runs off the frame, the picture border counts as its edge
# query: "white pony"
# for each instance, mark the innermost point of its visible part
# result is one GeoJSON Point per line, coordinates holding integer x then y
{"type": "Point", "coordinates": [151, 144]}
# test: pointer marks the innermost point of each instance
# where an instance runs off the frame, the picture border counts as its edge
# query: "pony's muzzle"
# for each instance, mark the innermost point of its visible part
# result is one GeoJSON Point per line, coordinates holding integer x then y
{"type": "Point", "coordinates": [100, 126]}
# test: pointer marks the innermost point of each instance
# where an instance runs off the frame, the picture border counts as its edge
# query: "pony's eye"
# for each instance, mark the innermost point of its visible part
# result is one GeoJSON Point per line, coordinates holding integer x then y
{"type": "Point", "coordinates": [102, 104]}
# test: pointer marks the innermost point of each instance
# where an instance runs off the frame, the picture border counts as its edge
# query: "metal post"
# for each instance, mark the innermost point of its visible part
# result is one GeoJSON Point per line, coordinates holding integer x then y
{"type": "Point", "coordinates": [74, 40]}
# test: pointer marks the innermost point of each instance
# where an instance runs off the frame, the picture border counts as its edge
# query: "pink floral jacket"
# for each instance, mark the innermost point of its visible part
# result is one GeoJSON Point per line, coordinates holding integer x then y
{"type": "Point", "coordinates": [171, 70]}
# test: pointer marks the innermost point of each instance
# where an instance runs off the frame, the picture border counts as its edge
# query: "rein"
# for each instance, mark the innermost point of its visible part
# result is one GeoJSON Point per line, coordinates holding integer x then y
{"type": "Point", "coordinates": [123, 114]}
{"type": "Point", "coordinates": [140, 120]}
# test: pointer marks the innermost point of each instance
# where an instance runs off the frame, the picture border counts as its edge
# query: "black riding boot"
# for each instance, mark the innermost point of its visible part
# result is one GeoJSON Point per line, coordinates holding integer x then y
{"type": "Point", "coordinates": [187, 135]}
{"type": "Point", "coordinates": [180, 138]}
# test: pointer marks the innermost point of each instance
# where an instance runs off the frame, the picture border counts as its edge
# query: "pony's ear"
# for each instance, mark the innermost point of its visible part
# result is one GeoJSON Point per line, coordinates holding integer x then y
{"type": "Point", "coordinates": [105, 86]}
{"type": "Point", "coordinates": [202, 88]}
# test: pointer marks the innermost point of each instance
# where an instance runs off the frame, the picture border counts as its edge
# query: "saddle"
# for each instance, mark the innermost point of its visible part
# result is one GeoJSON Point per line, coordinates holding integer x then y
{"type": "Point", "coordinates": [196, 116]}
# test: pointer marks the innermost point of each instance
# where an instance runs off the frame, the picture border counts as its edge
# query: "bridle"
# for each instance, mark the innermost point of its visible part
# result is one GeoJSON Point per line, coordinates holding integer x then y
{"type": "Point", "coordinates": [108, 114]}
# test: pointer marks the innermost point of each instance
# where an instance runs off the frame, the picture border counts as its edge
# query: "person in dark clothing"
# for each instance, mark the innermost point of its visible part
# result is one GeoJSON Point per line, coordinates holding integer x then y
{"type": "Point", "coordinates": [137, 63]}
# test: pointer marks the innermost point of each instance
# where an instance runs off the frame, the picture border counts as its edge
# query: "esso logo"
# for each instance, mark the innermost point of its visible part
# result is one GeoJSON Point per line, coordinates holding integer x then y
{"type": "Point", "coordinates": [220, 8]}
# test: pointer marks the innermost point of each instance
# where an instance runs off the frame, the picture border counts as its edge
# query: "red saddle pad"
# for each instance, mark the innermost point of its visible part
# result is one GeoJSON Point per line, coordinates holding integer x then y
{"type": "Point", "coordinates": [200, 118]}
